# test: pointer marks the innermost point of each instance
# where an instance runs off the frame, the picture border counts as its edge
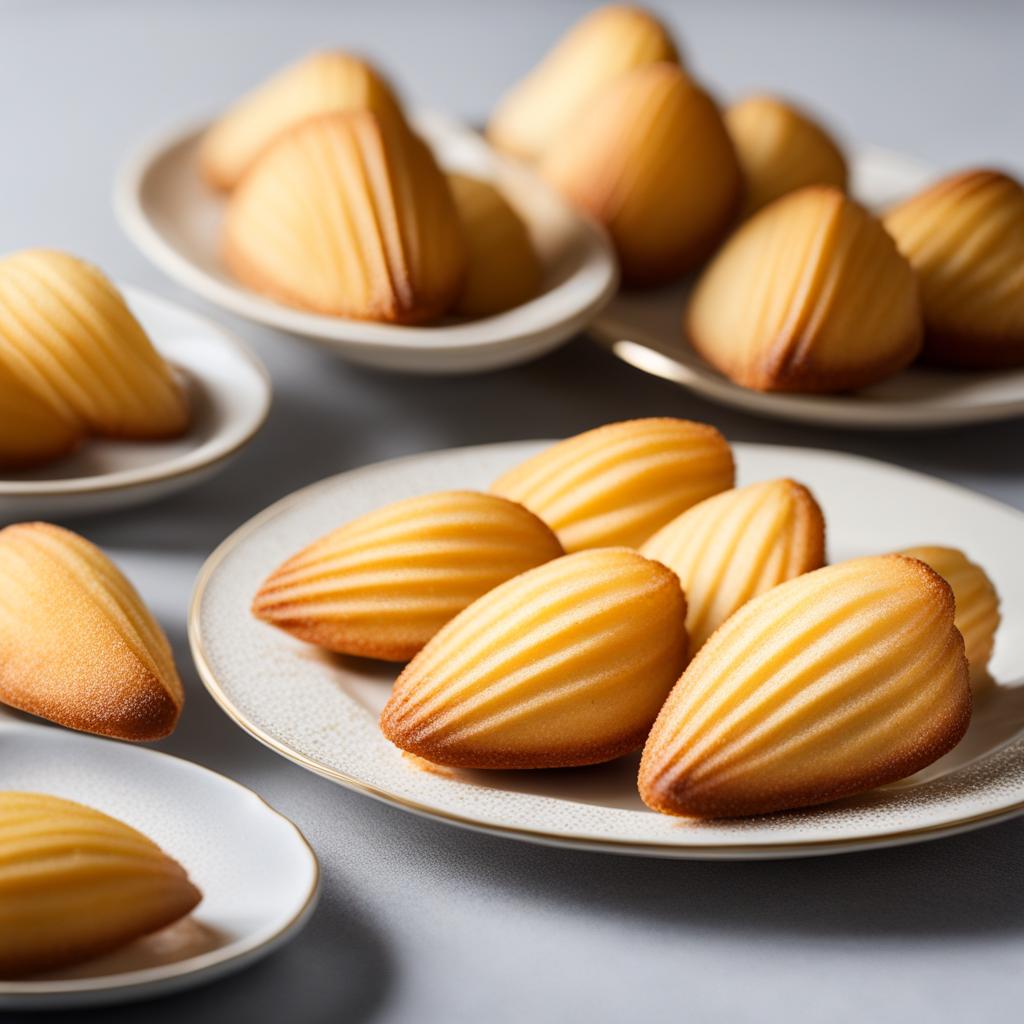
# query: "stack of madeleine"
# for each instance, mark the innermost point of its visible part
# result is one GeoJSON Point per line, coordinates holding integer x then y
{"type": "Point", "coordinates": [336, 206]}
{"type": "Point", "coordinates": [617, 591]}
{"type": "Point", "coordinates": [800, 288]}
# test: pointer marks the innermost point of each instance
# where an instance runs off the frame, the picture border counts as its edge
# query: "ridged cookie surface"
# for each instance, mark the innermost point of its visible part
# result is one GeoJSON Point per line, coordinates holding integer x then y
{"type": "Point", "coordinates": [977, 604]}
{"type": "Point", "coordinates": [595, 52]}
{"type": "Point", "coordinates": [564, 665]}
{"type": "Point", "coordinates": [620, 483]}
{"type": "Point", "coordinates": [652, 161]}
{"type": "Point", "coordinates": [964, 238]}
{"type": "Point", "coordinates": [781, 149]}
{"type": "Point", "coordinates": [77, 645]}
{"type": "Point", "coordinates": [76, 883]}
{"type": "Point", "coordinates": [835, 682]}
{"type": "Point", "coordinates": [321, 83]}
{"type": "Point", "coordinates": [347, 216]}
{"type": "Point", "coordinates": [31, 431]}
{"type": "Point", "coordinates": [503, 269]}
{"type": "Point", "coordinates": [738, 544]}
{"type": "Point", "coordinates": [67, 335]}
{"type": "Point", "coordinates": [384, 584]}
{"type": "Point", "coordinates": [809, 294]}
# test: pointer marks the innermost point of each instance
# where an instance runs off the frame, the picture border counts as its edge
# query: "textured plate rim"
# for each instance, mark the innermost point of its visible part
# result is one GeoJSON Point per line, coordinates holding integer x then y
{"type": "Point", "coordinates": [445, 340]}
{"type": "Point", "coordinates": [206, 456]}
{"type": "Point", "coordinates": [653, 848]}
{"type": "Point", "coordinates": [126, 985]}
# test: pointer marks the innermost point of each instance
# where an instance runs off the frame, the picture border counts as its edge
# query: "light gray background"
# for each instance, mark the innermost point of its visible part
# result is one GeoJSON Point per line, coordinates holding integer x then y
{"type": "Point", "coordinates": [420, 922]}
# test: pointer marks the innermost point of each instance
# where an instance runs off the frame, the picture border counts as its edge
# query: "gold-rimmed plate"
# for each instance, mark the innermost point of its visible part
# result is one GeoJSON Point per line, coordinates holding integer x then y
{"type": "Point", "coordinates": [320, 710]}
{"type": "Point", "coordinates": [258, 875]}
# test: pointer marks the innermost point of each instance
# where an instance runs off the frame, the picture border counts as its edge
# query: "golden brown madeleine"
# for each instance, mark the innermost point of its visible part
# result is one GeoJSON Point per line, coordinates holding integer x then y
{"type": "Point", "coordinates": [31, 430]}
{"type": "Point", "coordinates": [76, 883]}
{"type": "Point", "coordinates": [346, 216]}
{"type": "Point", "coordinates": [781, 149]}
{"type": "Point", "coordinates": [77, 645]}
{"type": "Point", "coordinates": [503, 269]}
{"type": "Point", "coordinates": [965, 239]}
{"type": "Point", "coordinates": [564, 665]}
{"type": "Point", "coordinates": [597, 50]}
{"type": "Point", "coordinates": [835, 682]}
{"type": "Point", "coordinates": [652, 161]}
{"type": "Point", "coordinates": [977, 604]}
{"type": "Point", "coordinates": [810, 294]}
{"type": "Point", "coordinates": [67, 335]}
{"type": "Point", "coordinates": [738, 544]}
{"type": "Point", "coordinates": [620, 483]}
{"type": "Point", "coordinates": [321, 83]}
{"type": "Point", "coordinates": [384, 584]}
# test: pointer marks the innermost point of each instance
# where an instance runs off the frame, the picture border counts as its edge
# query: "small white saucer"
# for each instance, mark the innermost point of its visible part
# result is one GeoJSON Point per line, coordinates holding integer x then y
{"type": "Point", "coordinates": [258, 875]}
{"type": "Point", "coordinates": [174, 218]}
{"type": "Point", "coordinates": [644, 329]}
{"type": "Point", "coordinates": [230, 393]}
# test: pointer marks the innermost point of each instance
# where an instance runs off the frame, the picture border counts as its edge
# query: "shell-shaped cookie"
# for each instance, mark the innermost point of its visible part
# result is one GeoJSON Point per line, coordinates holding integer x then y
{"type": "Point", "coordinates": [384, 584]}
{"type": "Point", "coordinates": [964, 237]}
{"type": "Point", "coordinates": [620, 483]}
{"type": "Point", "coordinates": [597, 50]}
{"type": "Point", "coordinates": [31, 431]}
{"type": "Point", "coordinates": [840, 680]}
{"type": "Point", "coordinates": [503, 269]}
{"type": "Point", "coordinates": [77, 644]}
{"type": "Point", "coordinates": [738, 544]}
{"type": "Point", "coordinates": [652, 161]}
{"type": "Point", "coordinates": [781, 149]}
{"type": "Point", "coordinates": [76, 883]}
{"type": "Point", "coordinates": [321, 83]}
{"type": "Point", "coordinates": [348, 217]}
{"type": "Point", "coordinates": [810, 294]}
{"type": "Point", "coordinates": [68, 336]}
{"type": "Point", "coordinates": [564, 665]}
{"type": "Point", "coordinates": [977, 604]}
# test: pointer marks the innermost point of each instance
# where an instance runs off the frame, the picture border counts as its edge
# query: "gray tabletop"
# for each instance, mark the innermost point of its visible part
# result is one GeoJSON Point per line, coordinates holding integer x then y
{"type": "Point", "coordinates": [419, 921]}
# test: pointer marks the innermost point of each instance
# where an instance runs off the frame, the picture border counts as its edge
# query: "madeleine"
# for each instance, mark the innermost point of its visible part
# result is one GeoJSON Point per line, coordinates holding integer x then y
{"type": "Point", "coordinates": [503, 269]}
{"type": "Point", "coordinates": [781, 149]}
{"type": "Point", "coordinates": [964, 238]}
{"type": "Point", "coordinates": [596, 51]}
{"type": "Point", "coordinates": [977, 604]}
{"type": "Point", "coordinates": [651, 160]}
{"type": "Point", "coordinates": [31, 431]}
{"type": "Point", "coordinates": [321, 83]}
{"type": "Point", "coordinates": [738, 544]}
{"type": "Point", "coordinates": [620, 483]}
{"type": "Point", "coordinates": [384, 584]}
{"type": "Point", "coordinates": [838, 681]}
{"type": "Point", "coordinates": [68, 337]}
{"type": "Point", "coordinates": [76, 883]}
{"type": "Point", "coordinates": [810, 294]}
{"type": "Point", "coordinates": [77, 644]}
{"type": "Point", "coordinates": [347, 217]}
{"type": "Point", "coordinates": [564, 665]}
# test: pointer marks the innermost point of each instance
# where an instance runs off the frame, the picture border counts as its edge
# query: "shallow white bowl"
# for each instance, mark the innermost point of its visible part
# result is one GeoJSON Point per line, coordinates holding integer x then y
{"type": "Point", "coordinates": [644, 328]}
{"type": "Point", "coordinates": [321, 710]}
{"type": "Point", "coordinates": [230, 393]}
{"type": "Point", "coordinates": [174, 218]}
{"type": "Point", "coordinates": [257, 874]}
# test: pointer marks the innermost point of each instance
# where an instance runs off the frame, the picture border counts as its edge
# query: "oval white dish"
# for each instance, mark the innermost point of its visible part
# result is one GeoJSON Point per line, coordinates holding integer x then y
{"type": "Point", "coordinates": [258, 875]}
{"type": "Point", "coordinates": [320, 710]}
{"type": "Point", "coordinates": [644, 329]}
{"type": "Point", "coordinates": [230, 393]}
{"type": "Point", "coordinates": [174, 218]}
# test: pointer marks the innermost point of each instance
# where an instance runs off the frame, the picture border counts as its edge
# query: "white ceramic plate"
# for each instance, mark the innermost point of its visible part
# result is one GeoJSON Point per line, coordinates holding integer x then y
{"type": "Point", "coordinates": [230, 394]}
{"type": "Point", "coordinates": [257, 873]}
{"type": "Point", "coordinates": [320, 710]}
{"type": "Point", "coordinates": [174, 218]}
{"type": "Point", "coordinates": [644, 328]}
